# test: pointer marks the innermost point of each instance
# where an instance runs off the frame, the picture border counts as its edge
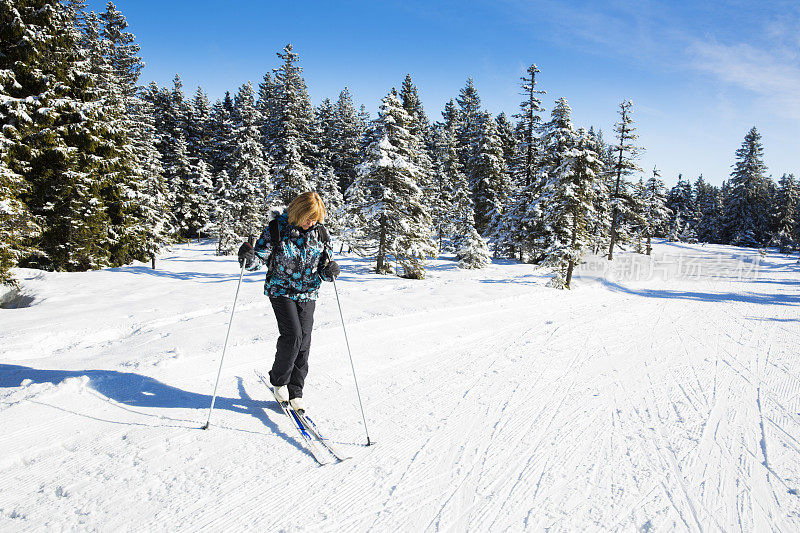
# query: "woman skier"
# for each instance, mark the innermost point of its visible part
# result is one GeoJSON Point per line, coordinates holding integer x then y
{"type": "Point", "coordinates": [295, 247]}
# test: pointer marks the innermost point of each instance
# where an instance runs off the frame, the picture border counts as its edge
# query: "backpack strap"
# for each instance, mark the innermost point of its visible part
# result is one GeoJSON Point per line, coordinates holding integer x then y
{"type": "Point", "coordinates": [325, 238]}
{"type": "Point", "coordinates": [274, 233]}
{"type": "Point", "coordinates": [274, 239]}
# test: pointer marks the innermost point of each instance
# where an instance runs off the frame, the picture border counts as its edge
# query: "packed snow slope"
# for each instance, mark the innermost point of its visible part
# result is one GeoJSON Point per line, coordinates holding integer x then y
{"type": "Point", "coordinates": [661, 393]}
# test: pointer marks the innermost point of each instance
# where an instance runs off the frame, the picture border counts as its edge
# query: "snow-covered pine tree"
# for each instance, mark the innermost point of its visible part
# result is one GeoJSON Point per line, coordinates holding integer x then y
{"type": "Point", "coordinates": [446, 171]}
{"type": "Point", "coordinates": [519, 232]}
{"type": "Point", "coordinates": [745, 213]}
{"type": "Point", "coordinates": [328, 189]}
{"type": "Point", "coordinates": [148, 219]}
{"type": "Point", "coordinates": [787, 214]}
{"type": "Point", "coordinates": [325, 181]}
{"type": "Point", "coordinates": [199, 203]}
{"type": "Point", "coordinates": [355, 230]}
{"type": "Point", "coordinates": [699, 188]}
{"type": "Point", "coordinates": [421, 133]}
{"type": "Point", "coordinates": [636, 218]}
{"type": "Point", "coordinates": [558, 138]}
{"type": "Point", "coordinates": [198, 128]}
{"type": "Point", "coordinates": [656, 213]}
{"type": "Point", "coordinates": [180, 189]}
{"type": "Point", "coordinates": [123, 188]}
{"type": "Point", "coordinates": [16, 223]}
{"type": "Point", "coordinates": [364, 123]}
{"type": "Point", "coordinates": [708, 209]}
{"type": "Point", "coordinates": [770, 201]}
{"type": "Point", "coordinates": [681, 203]}
{"type": "Point", "coordinates": [508, 140]}
{"type": "Point", "coordinates": [119, 175]}
{"type": "Point", "coordinates": [221, 142]}
{"type": "Point", "coordinates": [492, 186]}
{"type": "Point", "coordinates": [455, 212]}
{"type": "Point", "coordinates": [639, 227]}
{"type": "Point", "coordinates": [515, 232]}
{"type": "Point", "coordinates": [24, 30]}
{"type": "Point", "coordinates": [327, 134]}
{"type": "Point", "coordinates": [249, 173]}
{"type": "Point", "coordinates": [544, 215]}
{"type": "Point", "coordinates": [474, 251]}
{"type": "Point", "coordinates": [122, 52]}
{"type": "Point", "coordinates": [178, 113]}
{"type": "Point", "coordinates": [641, 205]}
{"type": "Point", "coordinates": [154, 217]}
{"type": "Point", "coordinates": [158, 99]}
{"type": "Point", "coordinates": [522, 230]}
{"type": "Point", "coordinates": [501, 223]}
{"type": "Point", "coordinates": [529, 125]}
{"type": "Point", "coordinates": [96, 52]}
{"type": "Point", "coordinates": [189, 146]}
{"type": "Point", "coordinates": [451, 118]}
{"type": "Point", "coordinates": [601, 222]}
{"type": "Point", "coordinates": [350, 136]}
{"type": "Point", "coordinates": [398, 223]}
{"type": "Point", "coordinates": [266, 105]}
{"type": "Point", "coordinates": [706, 215]}
{"type": "Point", "coordinates": [170, 113]}
{"type": "Point", "coordinates": [687, 194]}
{"type": "Point", "coordinates": [69, 143]}
{"type": "Point", "coordinates": [624, 164]}
{"type": "Point", "coordinates": [419, 124]}
{"type": "Point", "coordinates": [223, 215]}
{"type": "Point", "coordinates": [469, 128]}
{"type": "Point", "coordinates": [570, 193]}
{"type": "Point", "coordinates": [293, 149]}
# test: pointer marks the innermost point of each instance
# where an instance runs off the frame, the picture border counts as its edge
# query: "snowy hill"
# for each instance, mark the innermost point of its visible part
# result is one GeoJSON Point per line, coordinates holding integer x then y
{"type": "Point", "coordinates": [662, 393]}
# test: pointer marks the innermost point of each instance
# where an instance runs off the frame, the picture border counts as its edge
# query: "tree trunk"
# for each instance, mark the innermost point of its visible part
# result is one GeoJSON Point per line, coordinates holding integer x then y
{"type": "Point", "coordinates": [571, 264]}
{"type": "Point", "coordinates": [381, 246]}
{"type": "Point", "coordinates": [153, 261]}
{"type": "Point", "coordinates": [649, 248]}
{"type": "Point", "coordinates": [616, 194]}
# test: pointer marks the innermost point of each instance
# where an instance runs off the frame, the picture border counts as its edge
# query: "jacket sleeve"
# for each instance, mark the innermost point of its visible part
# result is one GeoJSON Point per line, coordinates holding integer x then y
{"type": "Point", "coordinates": [262, 249]}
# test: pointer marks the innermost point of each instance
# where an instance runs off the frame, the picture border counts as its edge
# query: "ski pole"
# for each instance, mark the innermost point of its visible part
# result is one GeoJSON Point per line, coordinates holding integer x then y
{"type": "Point", "coordinates": [224, 347]}
{"type": "Point", "coordinates": [364, 418]}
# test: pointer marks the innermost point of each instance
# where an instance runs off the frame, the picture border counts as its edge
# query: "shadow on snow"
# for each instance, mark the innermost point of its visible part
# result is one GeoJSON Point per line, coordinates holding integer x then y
{"type": "Point", "coordinates": [748, 297]}
{"type": "Point", "coordinates": [135, 390]}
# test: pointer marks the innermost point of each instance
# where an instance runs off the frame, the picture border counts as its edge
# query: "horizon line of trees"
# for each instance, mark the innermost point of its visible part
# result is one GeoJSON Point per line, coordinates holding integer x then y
{"type": "Point", "coordinates": [96, 170]}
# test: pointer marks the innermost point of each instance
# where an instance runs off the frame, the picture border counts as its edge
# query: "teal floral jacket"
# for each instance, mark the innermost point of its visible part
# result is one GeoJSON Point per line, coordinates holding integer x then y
{"type": "Point", "coordinates": [295, 269]}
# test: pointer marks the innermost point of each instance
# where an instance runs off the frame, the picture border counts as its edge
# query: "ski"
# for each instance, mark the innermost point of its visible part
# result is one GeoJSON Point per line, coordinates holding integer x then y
{"type": "Point", "coordinates": [312, 427]}
{"type": "Point", "coordinates": [309, 441]}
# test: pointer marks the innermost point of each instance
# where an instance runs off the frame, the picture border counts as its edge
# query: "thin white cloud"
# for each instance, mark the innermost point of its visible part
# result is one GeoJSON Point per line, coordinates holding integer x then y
{"type": "Point", "coordinates": [616, 27]}
{"type": "Point", "coordinates": [774, 75]}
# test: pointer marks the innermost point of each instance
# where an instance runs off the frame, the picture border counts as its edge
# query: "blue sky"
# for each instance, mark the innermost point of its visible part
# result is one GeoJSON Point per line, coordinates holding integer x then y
{"type": "Point", "coordinates": [700, 75]}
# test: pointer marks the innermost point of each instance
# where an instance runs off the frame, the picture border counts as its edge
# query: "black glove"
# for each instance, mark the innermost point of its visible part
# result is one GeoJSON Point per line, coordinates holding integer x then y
{"type": "Point", "coordinates": [246, 255]}
{"type": "Point", "coordinates": [331, 270]}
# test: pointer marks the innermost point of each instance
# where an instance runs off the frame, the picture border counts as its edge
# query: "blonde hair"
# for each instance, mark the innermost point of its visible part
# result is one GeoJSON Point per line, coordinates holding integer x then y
{"type": "Point", "coordinates": [307, 205]}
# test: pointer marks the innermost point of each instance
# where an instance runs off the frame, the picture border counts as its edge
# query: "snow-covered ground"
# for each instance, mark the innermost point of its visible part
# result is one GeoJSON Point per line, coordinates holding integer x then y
{"type": "Point", "coordinates": [660, 393]}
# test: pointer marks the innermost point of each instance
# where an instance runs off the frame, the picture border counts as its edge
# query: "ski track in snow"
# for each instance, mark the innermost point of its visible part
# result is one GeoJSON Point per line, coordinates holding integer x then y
{"type": "Point", "coordinates": [668, 402]}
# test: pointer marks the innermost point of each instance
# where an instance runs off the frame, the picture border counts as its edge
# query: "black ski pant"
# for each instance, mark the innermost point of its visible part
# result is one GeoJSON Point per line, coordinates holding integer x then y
{"type": "Point", "coordinates": [295, 321]}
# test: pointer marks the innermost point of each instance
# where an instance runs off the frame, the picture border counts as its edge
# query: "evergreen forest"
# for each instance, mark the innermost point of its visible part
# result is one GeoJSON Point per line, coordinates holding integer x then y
{"type": "Point", "coordinates": [97, 170]}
